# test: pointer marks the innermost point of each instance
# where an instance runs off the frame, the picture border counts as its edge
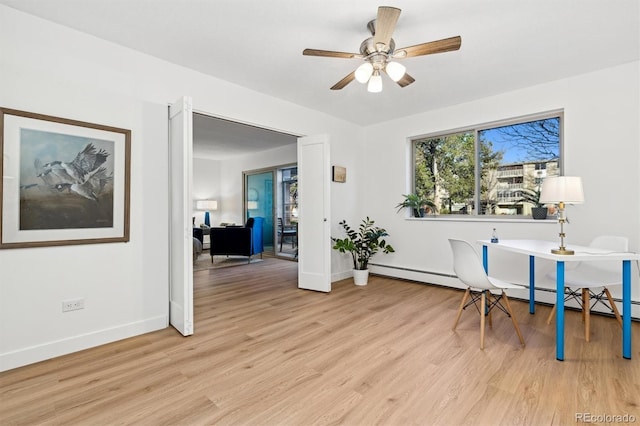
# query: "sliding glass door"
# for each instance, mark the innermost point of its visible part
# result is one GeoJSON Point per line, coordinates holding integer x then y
{"type": "Point", "coordinates": [273, 195]}
{"type": "Point", "coordinates": [258, 202]}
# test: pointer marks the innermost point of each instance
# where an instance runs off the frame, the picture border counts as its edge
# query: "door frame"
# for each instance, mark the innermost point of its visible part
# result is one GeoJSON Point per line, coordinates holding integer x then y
{"type": "Point", "coordinates": [188, 173]}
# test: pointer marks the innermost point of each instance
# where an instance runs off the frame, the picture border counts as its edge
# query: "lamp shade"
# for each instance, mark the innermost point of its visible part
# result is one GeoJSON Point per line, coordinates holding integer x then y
{"type": "Point", "coordinates": [207, 205]}
{"type": "Point", "coordinates": [375, 83]}
{"type": "Point", "coordinates": [566, 189]}
{"type": "Point", "coordinates": [363, 72]}
{"type": "Point", "coordinates": [395, 70]}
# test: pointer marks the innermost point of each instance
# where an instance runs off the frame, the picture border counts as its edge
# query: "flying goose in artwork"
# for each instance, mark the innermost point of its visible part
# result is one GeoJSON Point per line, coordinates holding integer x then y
{"type": "Point", "coordinates": [98, 179]}
{"type": "Point", "coordinates": [91, 187]}
{"type": "Point", "coordinates": [75, 172]}
{"type": "Point", "coordinates": [79, 188]}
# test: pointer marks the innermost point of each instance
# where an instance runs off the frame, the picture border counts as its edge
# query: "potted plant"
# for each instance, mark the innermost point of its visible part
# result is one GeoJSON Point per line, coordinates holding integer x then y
{"type": "Point", "coordinates": [362, 244]}
{"type": "Point", "coordinates": [418, 205]}
{"type": "Point", "coordinates": [538, 211]}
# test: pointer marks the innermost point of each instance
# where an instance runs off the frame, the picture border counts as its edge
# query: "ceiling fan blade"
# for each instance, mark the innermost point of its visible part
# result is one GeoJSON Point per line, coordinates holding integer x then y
{"type": "Point", "coordinates": [406, 80]}
{"type": "Point", "coordinates": [330, 53]}
{"type": "Point", "coordinates": [385, 24]}
{"type": "Point", "coordinates": [348, 79]}
{"type": "Point", "coordinates": [438, 46]}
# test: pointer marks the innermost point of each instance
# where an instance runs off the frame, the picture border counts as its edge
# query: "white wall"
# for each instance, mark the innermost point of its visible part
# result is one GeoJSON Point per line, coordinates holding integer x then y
{"type": "Point", "coordinates": [49, 69]}
{"type": "Point", "coordinates": [46, 70]}
{"type": "Point", "coordinates": [207, 183]}
{"type": "Point", "coordinates": [601, 141]}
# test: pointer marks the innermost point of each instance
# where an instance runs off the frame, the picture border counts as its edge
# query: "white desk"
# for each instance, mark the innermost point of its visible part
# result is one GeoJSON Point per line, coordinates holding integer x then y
{"type": "Point", "coordinates": [542, 249]}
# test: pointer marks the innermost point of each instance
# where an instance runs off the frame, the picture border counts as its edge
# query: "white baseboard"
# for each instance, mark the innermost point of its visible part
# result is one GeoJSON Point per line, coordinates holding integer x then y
{"type": "Point", "coordinates": [57, 348]}
{"type": "Point", "coordinates": [341, 276]}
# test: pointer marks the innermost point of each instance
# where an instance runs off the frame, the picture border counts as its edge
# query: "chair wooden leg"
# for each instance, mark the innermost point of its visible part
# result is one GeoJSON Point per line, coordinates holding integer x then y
{"type": "Point", "coordinates": [613, 306]}
{"type": "Point", "coordinates": [551, 314]}
{"type": "Point", "coordinates": [586, 310]}
{"type": "Point", "coordinates": [513, 318]}
{"type": "Point", "coordinates": [464, 300]}
{"type": "Point", "coordinates": [483, 305]}
{"type": "Point", "coordinates": [489, 316]}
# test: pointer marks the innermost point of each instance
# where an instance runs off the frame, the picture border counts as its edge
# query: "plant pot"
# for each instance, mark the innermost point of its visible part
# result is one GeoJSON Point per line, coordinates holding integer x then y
{"type": "Point", "coordinates": [539, 212]}
{"type": "Point", "coordinates": [360, 276]}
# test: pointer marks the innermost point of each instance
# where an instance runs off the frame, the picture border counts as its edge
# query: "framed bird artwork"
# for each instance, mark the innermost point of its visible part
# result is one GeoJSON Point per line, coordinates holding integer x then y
{"type": "Point", "coordinates": [64, 181]}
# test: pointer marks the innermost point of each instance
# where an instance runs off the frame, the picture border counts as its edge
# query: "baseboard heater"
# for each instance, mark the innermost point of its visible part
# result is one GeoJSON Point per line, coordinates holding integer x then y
{"type": "Point", "coordinates": [442, 274]}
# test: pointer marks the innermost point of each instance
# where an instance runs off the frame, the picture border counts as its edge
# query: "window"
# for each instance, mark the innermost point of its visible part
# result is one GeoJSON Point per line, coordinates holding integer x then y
{"type": "Point", "coordinates": [488, 170]}
{"type": "Point", "coordinates": [289, 191]}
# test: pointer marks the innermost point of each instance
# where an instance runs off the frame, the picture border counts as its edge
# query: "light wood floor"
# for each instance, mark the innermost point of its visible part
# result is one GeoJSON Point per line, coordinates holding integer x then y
{"type": "Point", "coordinates": [266, 353]}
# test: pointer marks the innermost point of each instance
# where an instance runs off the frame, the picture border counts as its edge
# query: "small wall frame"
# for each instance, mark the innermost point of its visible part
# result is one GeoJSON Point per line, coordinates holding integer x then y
{"type": "Point", "coordinates": [339, 174]}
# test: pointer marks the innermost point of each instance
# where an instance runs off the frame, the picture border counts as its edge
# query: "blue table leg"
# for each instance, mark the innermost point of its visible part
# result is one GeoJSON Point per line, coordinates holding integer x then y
{"type": "Point", "coordinates": [485, 264]}
{"type": "Point", "coordinates": [626, 309]}
{"type": "Point", "coordinates": [560, 310]}
{"type": "Point", "coordinates": [532, 285]}
{"type": "Point", "coordinates": [485, 258]}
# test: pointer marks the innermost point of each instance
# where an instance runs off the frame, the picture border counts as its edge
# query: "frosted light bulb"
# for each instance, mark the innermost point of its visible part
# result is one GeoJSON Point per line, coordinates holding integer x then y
{"type": "Point", "coordinates": [363, 72]}
{"type": "Point", "coordinates": [395, 71]}
{"type": "Point", "coordinates": [375, 83]}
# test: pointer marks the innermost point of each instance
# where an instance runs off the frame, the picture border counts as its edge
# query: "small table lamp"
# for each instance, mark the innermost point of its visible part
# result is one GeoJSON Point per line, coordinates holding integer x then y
{"type": "Point", "coordinates": [207, 205]}
{"type": "Point", "coordinates": [562, 190]}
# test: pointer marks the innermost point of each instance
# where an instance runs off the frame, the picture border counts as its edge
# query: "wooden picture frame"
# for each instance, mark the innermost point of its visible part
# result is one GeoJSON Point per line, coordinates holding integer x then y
{"type": "Point", "coordinates": [339, 174]}
{"type": "Point", "coordinates": [64, 182]}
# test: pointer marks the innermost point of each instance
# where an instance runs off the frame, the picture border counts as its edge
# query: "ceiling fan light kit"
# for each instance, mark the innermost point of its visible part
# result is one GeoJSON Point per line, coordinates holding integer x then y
{"type": "Point", "coordinates": [375, 82]}
{"type": "Point", "coordinates": [395, 70]}
{"type": "Point", "coordinates": [378, 50]}
{"type": "Point", "coordinates": [364, 72]}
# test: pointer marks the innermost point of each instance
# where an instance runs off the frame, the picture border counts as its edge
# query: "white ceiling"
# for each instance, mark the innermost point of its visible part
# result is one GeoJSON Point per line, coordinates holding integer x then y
{"type": "Point", "coordinates": [220, 139]}
{"type": "Point", "coordinates": [506, 44]}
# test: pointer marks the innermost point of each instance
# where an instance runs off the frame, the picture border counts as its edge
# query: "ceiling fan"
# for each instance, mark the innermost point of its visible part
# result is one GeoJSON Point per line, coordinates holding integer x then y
{"type": "Point", "coordinates": [379, 52]}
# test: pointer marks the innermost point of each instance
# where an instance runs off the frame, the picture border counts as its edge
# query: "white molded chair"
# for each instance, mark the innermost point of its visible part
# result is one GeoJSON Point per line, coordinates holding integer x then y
{"type": "Point", "coordinates": [590, 280]}
{"type": "Point", "coordinates": [469, 270]}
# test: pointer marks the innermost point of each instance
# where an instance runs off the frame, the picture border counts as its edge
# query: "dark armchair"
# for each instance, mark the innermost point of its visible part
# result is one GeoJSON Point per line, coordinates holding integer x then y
{"type": "Point", "coordinates": [238, 240]}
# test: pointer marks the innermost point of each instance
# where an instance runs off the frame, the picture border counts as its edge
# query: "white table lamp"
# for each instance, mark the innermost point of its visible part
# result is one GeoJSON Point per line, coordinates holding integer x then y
{"type": "Point", "coordinates": [562, 190]}
{"type": "Point", "coordinates": [207, 205]}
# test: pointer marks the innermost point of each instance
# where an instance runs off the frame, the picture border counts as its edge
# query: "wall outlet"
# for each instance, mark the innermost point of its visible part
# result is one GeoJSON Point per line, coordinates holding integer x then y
{"type": "Point", "coordinates": [72, 305]}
